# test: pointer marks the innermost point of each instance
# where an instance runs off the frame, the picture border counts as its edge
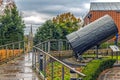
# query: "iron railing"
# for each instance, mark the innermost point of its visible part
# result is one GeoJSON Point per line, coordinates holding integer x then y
{"type": "Point", "coordinates": [11, 51]}
{"type": "Point", "coordinates": [43, 51]}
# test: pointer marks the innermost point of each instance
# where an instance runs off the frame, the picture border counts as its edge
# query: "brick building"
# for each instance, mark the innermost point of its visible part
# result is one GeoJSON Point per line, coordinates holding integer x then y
{"type": "Point", "coordinates": [99, 9]}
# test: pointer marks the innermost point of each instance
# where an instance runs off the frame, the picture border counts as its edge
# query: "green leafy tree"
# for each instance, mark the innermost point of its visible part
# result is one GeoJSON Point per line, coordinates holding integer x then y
{"type": "Point", "coordinates": [57, 28]}
{"type": "Point", "coordinates": [12, 26]}
{"type": "Point", "coordinates": [46, 31]}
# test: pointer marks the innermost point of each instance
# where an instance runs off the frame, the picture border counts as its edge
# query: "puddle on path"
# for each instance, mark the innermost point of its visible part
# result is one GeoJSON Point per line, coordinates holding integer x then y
{"type": "Point", "coordinates": [20, 69]}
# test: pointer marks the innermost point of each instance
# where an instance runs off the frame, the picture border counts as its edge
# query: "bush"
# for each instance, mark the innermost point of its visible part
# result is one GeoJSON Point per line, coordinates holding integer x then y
{"type": "Point", "coordinates": [95, 67]}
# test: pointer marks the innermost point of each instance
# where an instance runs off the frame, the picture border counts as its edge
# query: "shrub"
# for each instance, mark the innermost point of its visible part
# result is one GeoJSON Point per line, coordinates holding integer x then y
{"type": "Point", "coordinates": [95, 67]}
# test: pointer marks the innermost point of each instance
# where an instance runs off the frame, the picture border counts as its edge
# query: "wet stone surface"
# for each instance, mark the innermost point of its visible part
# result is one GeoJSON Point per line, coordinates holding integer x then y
{"type": "Point", "coordinates": [110, 74]}
{"type": "Point", "coordinates": [18, 69]}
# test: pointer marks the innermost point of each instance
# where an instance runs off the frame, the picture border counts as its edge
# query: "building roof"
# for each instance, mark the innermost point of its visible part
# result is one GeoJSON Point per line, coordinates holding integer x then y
{"type": "Point", "coordinates": [105, 6]}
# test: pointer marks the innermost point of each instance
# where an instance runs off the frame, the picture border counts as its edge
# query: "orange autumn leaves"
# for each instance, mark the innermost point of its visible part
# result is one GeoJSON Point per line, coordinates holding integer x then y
{"type": "Point", "coordinates": [6, 54]}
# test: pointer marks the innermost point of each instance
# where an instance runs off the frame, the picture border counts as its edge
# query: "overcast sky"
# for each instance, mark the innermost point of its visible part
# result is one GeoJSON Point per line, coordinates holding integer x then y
{"type": "Point", "coordinates": [38, 11]}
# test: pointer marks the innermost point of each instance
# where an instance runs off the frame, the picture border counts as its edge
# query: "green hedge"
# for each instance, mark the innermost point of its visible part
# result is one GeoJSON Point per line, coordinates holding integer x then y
{"type": "Point", "coordinates": [95, 67]}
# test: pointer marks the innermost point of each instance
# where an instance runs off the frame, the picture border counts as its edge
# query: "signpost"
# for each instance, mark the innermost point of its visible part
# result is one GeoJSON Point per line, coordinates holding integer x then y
{"type": "Point", "coordinates": [115, 49]}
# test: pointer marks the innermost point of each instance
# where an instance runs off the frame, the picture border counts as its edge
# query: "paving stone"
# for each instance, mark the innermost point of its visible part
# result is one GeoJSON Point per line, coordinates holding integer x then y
{"type": "Point", "coordinates": [110, 74]}
{"type": "Point", "coordinates": [19, 69]}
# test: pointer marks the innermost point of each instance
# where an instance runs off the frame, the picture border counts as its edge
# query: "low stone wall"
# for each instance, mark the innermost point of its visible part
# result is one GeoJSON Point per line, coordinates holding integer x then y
{"type": "Point", "coordinates": [100, 51]}
{"type": "Point", "coordinates": [67, 53]}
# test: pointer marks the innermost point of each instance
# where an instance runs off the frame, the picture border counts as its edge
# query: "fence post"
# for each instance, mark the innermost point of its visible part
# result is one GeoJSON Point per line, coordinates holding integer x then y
{"type": "Point", "coordinates": [33, 58]}
{"type": "Point", "coordinates": [48, 46]}
{"type": "Point", "coordinates": [59, 47]}
{"type": "Point", "coordinates": [45, 47]}
{"type": "Point", "coordinates": [97, 51]}
{"type": "Point", "coordinates": [52, 70]}
{"type": "Point", "coordinates": [66, 45]}
{"type": "Point", "coordinates": [42, 46]}
{"type": "Point", "coordinates": [13, 49]}
{"type": "Point", "coordinates": [40, 62]}
{"type": "Point", "coordinates": [19, 48]}
{"type": "Point", "coordinates": [112, 54]}
{"type": "Point", "coordinates": [0, 54]}
{"type": "Point", "coordinates": [62, 72]}
{"type": "Point", "coordinates": [44, 66]}
{"type": "Point", "coordinates": [117, 56]}
{"type": "Point", "coordinates": [69, 47]}
{"type": "Point", "coordinates": [73, 75]}
{"type": "Point", "coordinates": [6, 52]}
{"type": "Point", "coordinates": [24, 47]}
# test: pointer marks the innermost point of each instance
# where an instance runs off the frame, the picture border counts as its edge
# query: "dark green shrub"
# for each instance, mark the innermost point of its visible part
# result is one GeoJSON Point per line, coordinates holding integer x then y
{"type": "Point", "coordinates": [95, 67]}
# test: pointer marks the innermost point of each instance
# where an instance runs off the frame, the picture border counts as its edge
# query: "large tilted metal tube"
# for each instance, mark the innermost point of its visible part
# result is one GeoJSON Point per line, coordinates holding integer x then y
{"type": "Point", "coordinates": [92, 34]}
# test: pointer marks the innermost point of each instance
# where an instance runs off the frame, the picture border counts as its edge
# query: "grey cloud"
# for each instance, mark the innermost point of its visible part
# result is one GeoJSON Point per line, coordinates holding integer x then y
{"type": "Point", "coordinates": [50, 7]}
{"type": "Point", "coordinates": [38, 11]}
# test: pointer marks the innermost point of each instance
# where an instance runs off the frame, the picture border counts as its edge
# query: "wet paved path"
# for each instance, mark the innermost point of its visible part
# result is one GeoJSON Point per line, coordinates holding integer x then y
{"type": "Point", "coordinates": [110, 74]}
{"type": "Point", "coordinates": [18, 69]}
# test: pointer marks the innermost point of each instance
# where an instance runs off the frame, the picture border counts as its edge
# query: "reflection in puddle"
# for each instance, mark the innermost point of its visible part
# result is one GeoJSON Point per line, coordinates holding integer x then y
{"type": "Point", "coordinates": [20, 69]}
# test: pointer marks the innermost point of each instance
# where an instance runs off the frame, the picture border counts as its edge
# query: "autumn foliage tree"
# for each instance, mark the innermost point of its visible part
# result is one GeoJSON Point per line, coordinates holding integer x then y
{"type": "Point", "coordinates": [67, 22]}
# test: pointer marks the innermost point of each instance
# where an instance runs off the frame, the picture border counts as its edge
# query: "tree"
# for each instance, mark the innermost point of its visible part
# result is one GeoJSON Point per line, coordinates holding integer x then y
{"type": "Point", "coordinates": [67, 22]}
{"type": "Point", "coordinates": [46, 31]}
{"type": "Point", "coordinates": [57, 28]}
{"type": "Point", "coordinates": [12, 26]}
